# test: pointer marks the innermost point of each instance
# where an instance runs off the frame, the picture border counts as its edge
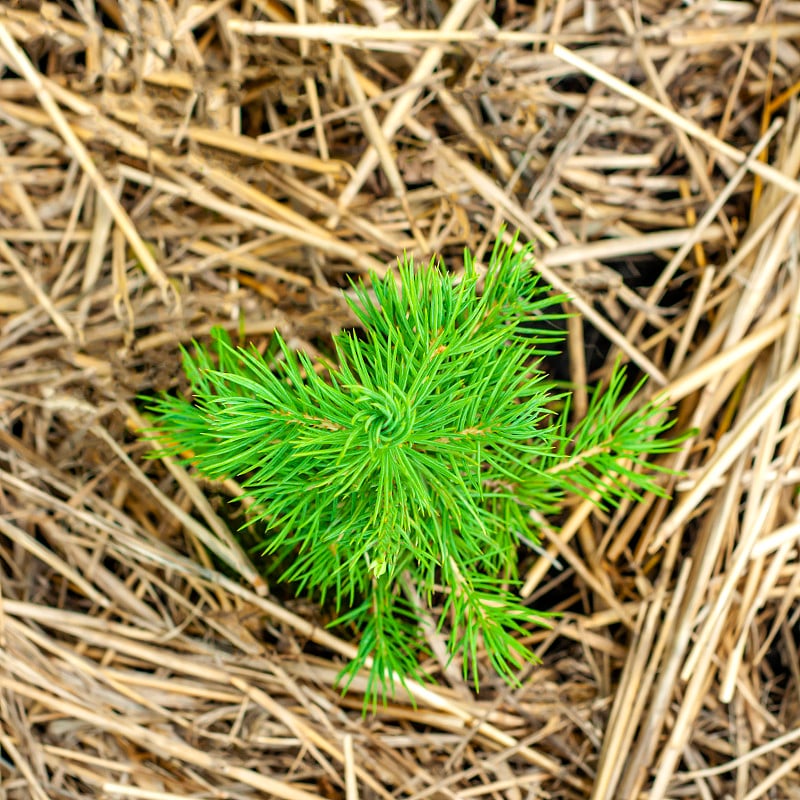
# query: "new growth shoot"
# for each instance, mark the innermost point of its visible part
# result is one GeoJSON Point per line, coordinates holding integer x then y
{"type": "Point", "coordinates": [408, 473]}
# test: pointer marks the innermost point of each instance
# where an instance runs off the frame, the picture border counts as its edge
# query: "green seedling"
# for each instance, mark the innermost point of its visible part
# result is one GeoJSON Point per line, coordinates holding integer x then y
{"type": "Point", "coordinates": [399, 484]}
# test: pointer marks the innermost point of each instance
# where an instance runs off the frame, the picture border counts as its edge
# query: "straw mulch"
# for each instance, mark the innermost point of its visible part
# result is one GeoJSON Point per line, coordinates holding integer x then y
{"type": "Point", "coordinates": [166, 167]}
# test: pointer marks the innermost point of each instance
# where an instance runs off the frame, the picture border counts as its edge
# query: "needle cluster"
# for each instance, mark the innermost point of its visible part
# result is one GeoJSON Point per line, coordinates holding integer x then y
{"type": "Point", "coordinates": [398, 483]}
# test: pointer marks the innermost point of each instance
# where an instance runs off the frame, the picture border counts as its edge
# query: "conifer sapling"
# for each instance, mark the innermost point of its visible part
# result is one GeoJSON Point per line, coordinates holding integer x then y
{"type": "Point", "coordinates": [413, 468]}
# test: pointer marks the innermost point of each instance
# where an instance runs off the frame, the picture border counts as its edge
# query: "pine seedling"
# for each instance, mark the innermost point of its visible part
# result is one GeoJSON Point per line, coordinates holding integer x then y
{"type": "Point", "coordinates": [411, 470]}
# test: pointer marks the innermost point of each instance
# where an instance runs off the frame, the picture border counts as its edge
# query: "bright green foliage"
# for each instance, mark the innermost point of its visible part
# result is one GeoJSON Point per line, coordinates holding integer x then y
{"type": "Point", "coordinates": [409, 469]}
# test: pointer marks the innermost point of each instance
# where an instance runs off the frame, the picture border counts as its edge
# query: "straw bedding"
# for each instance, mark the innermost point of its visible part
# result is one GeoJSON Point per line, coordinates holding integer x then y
{"type": "Point", "coordinates": [166, 167]}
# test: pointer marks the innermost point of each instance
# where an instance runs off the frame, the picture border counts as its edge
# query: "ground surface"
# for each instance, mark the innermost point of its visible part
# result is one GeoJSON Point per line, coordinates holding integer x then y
{"type": "Point", "coordinates": [166, 167]}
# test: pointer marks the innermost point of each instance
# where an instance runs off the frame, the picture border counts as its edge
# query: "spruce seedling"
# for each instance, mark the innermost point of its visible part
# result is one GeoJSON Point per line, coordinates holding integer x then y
{"type": "Point", "coordinates": [413, 468]}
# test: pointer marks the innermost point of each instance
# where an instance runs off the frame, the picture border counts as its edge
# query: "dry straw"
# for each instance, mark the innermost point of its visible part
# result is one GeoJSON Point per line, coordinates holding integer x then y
{"type": "Point", "coordinates": [169, 167]}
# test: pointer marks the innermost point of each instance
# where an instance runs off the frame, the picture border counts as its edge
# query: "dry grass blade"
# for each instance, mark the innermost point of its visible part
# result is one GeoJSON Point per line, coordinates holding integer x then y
{"type": "Point", "coordinates": [250, 158]}
{"type": "Point", "coordinates": [22, 63]}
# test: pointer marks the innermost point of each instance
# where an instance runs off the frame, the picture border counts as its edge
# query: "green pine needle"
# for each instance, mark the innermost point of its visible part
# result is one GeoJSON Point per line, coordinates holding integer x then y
{"type": "Point", "coordinates": [414, 463]}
